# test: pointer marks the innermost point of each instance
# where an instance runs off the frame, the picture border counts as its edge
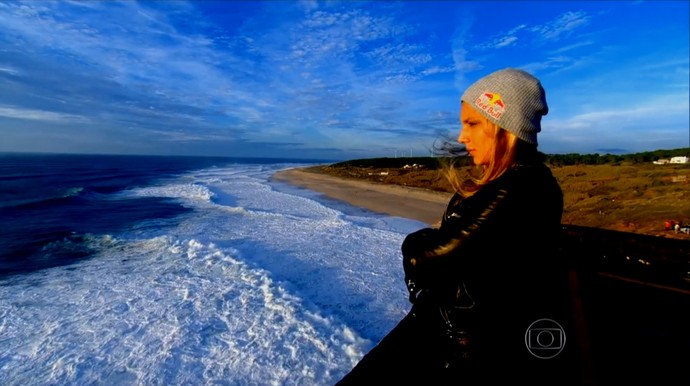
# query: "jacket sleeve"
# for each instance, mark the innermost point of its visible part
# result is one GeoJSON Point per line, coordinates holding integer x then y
{"type": "Point", "coordinates": [429, 251]}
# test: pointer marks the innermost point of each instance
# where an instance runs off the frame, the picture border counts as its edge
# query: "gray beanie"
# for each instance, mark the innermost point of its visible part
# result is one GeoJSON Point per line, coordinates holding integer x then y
{"type": "Point", "coordinates": [512, 99]}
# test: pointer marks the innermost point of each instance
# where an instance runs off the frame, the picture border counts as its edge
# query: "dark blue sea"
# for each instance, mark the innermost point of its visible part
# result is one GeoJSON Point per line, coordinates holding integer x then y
{"type": "Point", "coordinates": [49, 203]}
{"type": "Point", "coordinates": [131, 270]}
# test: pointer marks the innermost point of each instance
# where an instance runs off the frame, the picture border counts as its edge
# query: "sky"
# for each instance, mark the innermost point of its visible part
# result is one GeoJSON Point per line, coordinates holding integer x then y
{"type": "Point", "coordinates": [332, 80]}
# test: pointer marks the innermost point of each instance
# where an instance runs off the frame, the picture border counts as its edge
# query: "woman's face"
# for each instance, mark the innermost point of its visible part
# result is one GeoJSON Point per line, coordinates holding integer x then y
{"type": "Point", "coordinates": [476, 135]}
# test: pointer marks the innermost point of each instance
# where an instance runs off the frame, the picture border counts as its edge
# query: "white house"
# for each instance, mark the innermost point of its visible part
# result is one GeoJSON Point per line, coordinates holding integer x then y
{"type": "Point", "coordinates": [680, 160]}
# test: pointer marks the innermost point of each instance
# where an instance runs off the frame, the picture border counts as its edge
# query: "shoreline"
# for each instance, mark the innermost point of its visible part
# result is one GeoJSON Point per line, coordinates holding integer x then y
{"type": "Point", "coordinates": [408, 202]}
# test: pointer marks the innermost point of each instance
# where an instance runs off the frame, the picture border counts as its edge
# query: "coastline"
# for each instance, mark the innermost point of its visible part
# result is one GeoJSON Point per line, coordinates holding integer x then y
{"type": "Point", "coordinates": [409, 202]}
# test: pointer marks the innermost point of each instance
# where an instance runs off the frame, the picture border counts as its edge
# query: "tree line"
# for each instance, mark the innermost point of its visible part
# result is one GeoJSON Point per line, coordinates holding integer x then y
{"type": "Point", "coordinates": [615, 159]}
{"type": "Point", "coordinates": [551, 159]}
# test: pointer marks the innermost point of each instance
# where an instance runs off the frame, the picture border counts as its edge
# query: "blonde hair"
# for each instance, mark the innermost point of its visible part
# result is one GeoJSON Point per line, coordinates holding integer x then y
{"type": "Point", "coordinates": [503, 151]}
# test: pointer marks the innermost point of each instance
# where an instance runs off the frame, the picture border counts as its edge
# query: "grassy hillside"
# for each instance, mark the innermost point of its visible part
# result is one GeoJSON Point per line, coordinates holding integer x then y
{"type": "Point", "coordinates": [636, 198]}
{"type": "Point", "coordinates": [626, 196]}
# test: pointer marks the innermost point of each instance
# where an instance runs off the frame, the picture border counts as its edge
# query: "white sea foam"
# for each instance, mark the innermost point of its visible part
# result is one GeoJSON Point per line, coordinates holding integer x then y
{"type": "Point", "coordinates": [191, 192]}
{"type": "Point", "coordinates": [261, 284]}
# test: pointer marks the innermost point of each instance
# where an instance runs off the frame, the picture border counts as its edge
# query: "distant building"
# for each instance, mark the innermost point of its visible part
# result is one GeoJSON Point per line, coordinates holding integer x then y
{"type": "Point", "coordinates": [673, 160]}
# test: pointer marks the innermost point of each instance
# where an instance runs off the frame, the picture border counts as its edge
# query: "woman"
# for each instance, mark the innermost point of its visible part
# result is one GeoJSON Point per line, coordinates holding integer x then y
{"type": "Point", "coordinates": [490, 294]}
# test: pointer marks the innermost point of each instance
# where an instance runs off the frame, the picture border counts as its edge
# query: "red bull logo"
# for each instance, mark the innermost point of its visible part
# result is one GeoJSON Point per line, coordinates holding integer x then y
{"type": "Point", "coordinates": [492, 104]}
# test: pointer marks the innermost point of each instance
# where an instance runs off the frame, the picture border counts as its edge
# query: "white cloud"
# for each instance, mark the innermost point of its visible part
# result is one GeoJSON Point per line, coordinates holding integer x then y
{"type": "Point", "coordinates": [503, 39]}
{"type": "Point", "coordinates": [437, 70]}
{"type": "Point", "coordinates": [9, 70]}
{"type": "Point", "coordinates": [661, 112]}
{"type": "Point", "coordinates": [283, 76]}
{"type": "Point", "coordinates": [405, 55]}
{"type": "Point", "coordinates": [293, 69]}
{"type": "Point", "coordinates": [506, 41]}
{"type": "Point", "coordinates": [571, 47]}
{"type": "Point", "coordinates": [551, 63]}
{"type": "Point", "coordinates": [184, 136]}
{"type": "Point", "coordinates": [41, 115]}
{"type": "Point", "coordinates": [147, 51]}
{"type": "Point", "coordinates": [564, 25]}
{"type": "Point", "coordinates": [460, 54]}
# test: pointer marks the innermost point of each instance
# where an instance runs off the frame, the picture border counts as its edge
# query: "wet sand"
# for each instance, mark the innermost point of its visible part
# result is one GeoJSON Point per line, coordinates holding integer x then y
{"type": "Point", "coordinates": [408, 202]}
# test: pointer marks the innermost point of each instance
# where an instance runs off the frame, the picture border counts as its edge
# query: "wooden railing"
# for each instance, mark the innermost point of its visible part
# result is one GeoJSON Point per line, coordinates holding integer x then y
{"type": "Point", "coordinates": [632, 293]}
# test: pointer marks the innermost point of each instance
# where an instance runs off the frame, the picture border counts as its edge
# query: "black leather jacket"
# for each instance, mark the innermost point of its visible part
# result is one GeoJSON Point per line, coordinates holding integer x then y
{"type": "Point", "coordinates": [492, 268]}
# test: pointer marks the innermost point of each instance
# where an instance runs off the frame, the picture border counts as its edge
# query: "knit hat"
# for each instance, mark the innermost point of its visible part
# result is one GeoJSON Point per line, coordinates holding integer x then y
{"type": "Point", "coordinates": [513, 99]}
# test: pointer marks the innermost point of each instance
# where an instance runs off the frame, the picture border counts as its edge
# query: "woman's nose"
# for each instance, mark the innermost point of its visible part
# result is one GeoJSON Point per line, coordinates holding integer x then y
{"type": "Point", "coordinates": [461, 138]}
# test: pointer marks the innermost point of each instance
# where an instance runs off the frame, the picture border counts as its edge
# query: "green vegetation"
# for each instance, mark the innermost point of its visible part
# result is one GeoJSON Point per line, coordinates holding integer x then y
{"type": "Point", "coordinates": [596, 159]}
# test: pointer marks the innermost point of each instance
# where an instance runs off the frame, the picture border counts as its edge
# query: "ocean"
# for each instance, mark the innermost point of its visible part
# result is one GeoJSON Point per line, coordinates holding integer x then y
{"type": "Point", "coordinates": [187, 270]}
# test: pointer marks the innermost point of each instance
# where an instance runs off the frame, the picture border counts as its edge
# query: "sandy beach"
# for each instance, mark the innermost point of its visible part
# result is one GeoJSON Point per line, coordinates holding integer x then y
{"type": "Point", "coordinates": [414, 203]}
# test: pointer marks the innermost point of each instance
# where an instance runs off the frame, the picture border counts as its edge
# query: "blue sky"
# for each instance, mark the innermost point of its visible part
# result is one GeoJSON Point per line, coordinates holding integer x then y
{"type": "Point", "coordinates": [332, 80]}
